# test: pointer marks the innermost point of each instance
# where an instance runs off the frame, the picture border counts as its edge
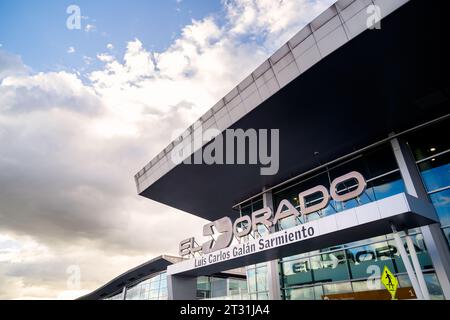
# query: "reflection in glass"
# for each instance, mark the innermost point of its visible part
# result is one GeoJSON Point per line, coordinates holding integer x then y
{"type": "Point", "coordinates": [251, 280]}
{"type": "Point", "coordinates": [433, 286]}
{"type": "Point", "coordinates": [297, 272]}
{"type": "Point", "coordinates": [329, 267]}
{"type": "Point", "coordinates": [300, 294]}
{"type": "Point", "coordinates": [335, 288]}
{"type": "Point", "coordinates": [436, 172]}
{"type": "Point", "coordinates": [218, 287]}
{"type": "Point", "coordinates": [422, 254]}
{"type": "Point", "coordinates": [430, 140]}
{"type": "Point", "coordinates": [362, 258]}
{"type": "Point", "coordinates": [441, 201]}
{"type": "Point", "coordinates": [447, 235]}
{"type": "Point", "coordinates": [366, 285]}
{"type": "Point", "coordinates": [154, 288]}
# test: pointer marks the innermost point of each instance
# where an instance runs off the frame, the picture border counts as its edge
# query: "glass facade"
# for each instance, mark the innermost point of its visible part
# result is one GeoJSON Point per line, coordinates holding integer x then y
{"type": "Point", "coordinates": [257, 282]}
{"type": "Point", "coordinates": [256, 274]}
{"type": "Point", "coordinates": [348, 268]}
{"type": "Point", "coordinates": [378, 167]}
{"type": "Point", "coordinates": [356, 267]}
{"type": "Point", "coordinates": [117, 296]}
{"type": "Point", "coordinates": [431, 149]}
{"type": "Point", "coordinates": [154, 288]}
{"type": "Point", "coordinates": [219, 288]}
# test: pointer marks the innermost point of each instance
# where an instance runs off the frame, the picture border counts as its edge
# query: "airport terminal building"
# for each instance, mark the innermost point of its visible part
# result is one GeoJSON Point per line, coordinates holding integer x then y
{"type": "Point", "coordinates": [361, 122]}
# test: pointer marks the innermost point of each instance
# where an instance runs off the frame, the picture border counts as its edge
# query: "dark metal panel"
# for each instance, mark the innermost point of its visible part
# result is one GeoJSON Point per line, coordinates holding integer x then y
{"type": "Point", "coordinates": [382, 81]}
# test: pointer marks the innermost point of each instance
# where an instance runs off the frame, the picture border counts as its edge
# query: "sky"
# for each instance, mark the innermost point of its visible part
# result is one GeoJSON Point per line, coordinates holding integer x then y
{"type": "Point", "coordinates": [82, 110]}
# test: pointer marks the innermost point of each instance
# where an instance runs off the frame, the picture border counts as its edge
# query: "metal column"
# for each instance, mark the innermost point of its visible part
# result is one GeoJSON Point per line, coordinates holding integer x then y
{"type": "Point", "coordinates": [407, 263]}
{"type": "Point", "coordinates": [273, 276]}
{"type": "Point", "coordinates": [416, 264]}
{"type": "Point", "coordinates": [124, 293]}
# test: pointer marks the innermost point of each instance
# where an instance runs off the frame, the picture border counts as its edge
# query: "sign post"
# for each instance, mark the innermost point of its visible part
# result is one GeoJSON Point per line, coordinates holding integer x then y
{"type": "Point", "coordinates": [389, 281]}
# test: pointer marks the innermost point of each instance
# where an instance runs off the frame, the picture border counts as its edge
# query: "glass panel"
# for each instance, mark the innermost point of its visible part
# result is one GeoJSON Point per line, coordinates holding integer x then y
{"type": "Point", "coordinates": [366, 241]}
{"type": "Point", "coordinates": [436, 172]}
{"type": "Point", "coordinates": [261, 279]}
{"type": "Point", "coordinates": [203, 283]}
{"type": "Point", "coordinates": [258, 204]}
{"type": "Point", "coordinates": [387, 186]}
{"type": "Point", "coordinates": [372, 164]}
{"type": "Point", "coordinates": [154, 294]}
{"type": "Point", "coordinates": [132, 293]}
{"type": "Point", "coordinates": [422, 252]}
{"type": "Point", "coordinates": [263, 296]}
{"type": "Point", "coordinates": [154, 284]}
{"type": "Point", "coordinates": [318, 292]}
{"type": "Point", "coordinates": [330, 267]}
{"type": "Point", "coordinates": [361, 259]}
{"type": "Point", "coordinates": [447, 235]}
{"type": "Point", "coordinates": [366, 285]}
{"type": "Point", "coordinates": [218, 287]}
{"type": "Point", "coordinates": [300, 294]}
{"type": "Point", "coordinates": [288, 222]}
{"type": "Point", "coordinates": [117, 296]}
{"type": "Point", "coordinates": [251, 280]}
{"type": "Point", "coordinates": [433, 286]}
{"type": "Point", "coordinates": [237, 284]}
{"type": "Point", "coordinates": [336, 288]}
{"type": "Point", "coordinates": [403, 281]}
{"type": "Point", "coordinates": [430, 140]}
{"type": "Point", "coordinates": [297, 272]}
{"type": "Point", "coordinates": [441, 202]}
{"type": "Point", "coordinates": [247, 210]}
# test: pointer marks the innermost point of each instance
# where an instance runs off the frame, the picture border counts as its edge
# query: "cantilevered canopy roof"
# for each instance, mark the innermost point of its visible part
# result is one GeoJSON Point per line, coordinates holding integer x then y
{"type": "Point", "coordinates": [155, 265]}
{"type": "Point", "coordinates": [333, 88]}
{"type": "Point", "coordinates": [139, 273]}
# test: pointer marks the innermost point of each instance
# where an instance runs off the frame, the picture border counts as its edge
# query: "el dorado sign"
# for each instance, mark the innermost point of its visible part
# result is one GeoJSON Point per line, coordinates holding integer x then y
{"type": "Point", "coordinates": [245, 225]}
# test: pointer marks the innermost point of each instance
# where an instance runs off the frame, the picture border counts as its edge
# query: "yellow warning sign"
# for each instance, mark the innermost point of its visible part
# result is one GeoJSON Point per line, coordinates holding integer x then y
{"type": "Point", "coordinates": [389, 281]}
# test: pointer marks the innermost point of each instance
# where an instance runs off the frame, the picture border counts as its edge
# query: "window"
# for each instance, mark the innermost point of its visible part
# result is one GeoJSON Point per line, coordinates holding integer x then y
{"type": "Point", "coordinates": [336, 288]}
{"type": "Point", "coordinates": [354, 262]}
{"type": "Point", "coordinates": [441, 201]}
{"type": "Point", "coordinates": [361, 259]}
{"type": "Point", "coordinates": [431, 149]}
{"type": "Point", "coordinates": [257, 281]}
{"type": "Point", "coordinates": [300, 294]}
{"type": "Point", "coordinates": [154, 288]}
{"type": "Point", "coordinates": [329, 267]}
{"type": "Point", "coordinates": [379, 168]}
{"type": "Point", "coordinates": [221, 288]}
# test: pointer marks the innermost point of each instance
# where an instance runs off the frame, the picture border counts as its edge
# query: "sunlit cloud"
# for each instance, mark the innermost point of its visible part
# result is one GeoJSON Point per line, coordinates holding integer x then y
{"type": "Point", "coordinates": [72, 141]}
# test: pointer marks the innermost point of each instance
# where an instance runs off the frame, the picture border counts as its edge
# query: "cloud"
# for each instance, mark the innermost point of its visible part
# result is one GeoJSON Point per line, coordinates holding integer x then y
{"type": "Point", "coordinates": [90, 28]}
{"type": "Point", "coordinates": [104, 57]}
{"type": "Point", "coordinates": [52, 90]}
{"type": "Point", "coordinates": [11, 64]}
{"type": "Point", "coordinates": [87, 60]}
{"type": "Point", "coordinates": [275, 21]}
{"type": "Point", "coordinates": [72, 143]}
